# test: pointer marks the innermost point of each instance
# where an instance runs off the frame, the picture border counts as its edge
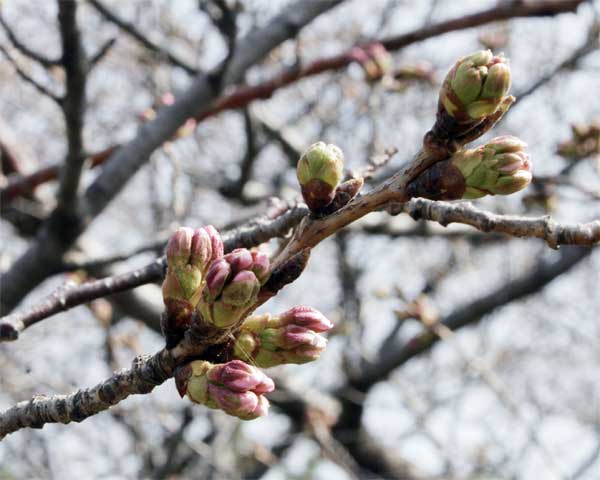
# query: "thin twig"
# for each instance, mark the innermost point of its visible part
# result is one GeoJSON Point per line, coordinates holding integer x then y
{"type": "Point", "coordinates": [43, 60]}
{"type": "Point", "coordinates": [29, 79]}
{"type": "Point", "coordinates": [133, 31]}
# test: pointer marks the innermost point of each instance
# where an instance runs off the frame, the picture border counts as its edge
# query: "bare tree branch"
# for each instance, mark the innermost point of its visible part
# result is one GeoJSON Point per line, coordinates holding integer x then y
{"type": "Point", "coordinates": [43, 60]}
{"type": "Point", "coordinates": [29, 79]}
{"type": "Point", "coordinates": [528, 284]}
{"type": "Point", "coordinates": [144, 375]}
{"type": "Point", "coordinates": [243, 95]}
{"type": "Point", "coordinates": [74, 62]}
{"type": "Point", "coordinates": [133, 31]}
{"type": "Point", "coordinates": [55, 238]}
{"type": "Point", "coordinates": [102, 52]}
{"type": "Point", "coordinates": [546, 228]}
{"type": "Point", "coordinates": [69, 296]}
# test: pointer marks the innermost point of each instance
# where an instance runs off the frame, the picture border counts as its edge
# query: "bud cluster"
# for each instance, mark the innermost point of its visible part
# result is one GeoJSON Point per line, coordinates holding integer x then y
{"type": "Point", "coordinates": [291, 337]}
{"type": "Point", "coordinates": [476, 86]}
{"type": "Point", "coordinates": [234, 387]}
{"type": "Point", "coordinates": [189, 253]}
{"type": "Point", "coordinates": [232, 285]}
{"type": "Point", "coordinates": [500, 167]}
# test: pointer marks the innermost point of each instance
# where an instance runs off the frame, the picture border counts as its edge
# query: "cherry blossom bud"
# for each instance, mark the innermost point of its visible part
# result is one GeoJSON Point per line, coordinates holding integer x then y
{"type": "Point", "coordinates": [319, 171]}
{"type": "Point", "coordinates": [500, 167]}
{"type": "Point", "coordinates": [234, 387]}
{"type": "Point", "coordinates": [288, 338]}
{"type": "Point", "coordinates": [231, 287]}
{"type": "Point", "coordinates": [476, 86]}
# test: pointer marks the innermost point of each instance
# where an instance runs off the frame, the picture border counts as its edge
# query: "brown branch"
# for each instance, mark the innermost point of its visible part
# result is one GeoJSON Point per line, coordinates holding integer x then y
{"type": "Point", "coordinates": [19, 186]}
{"type": "Point", "coordinates": [133, 31]}
{"type": "Point", "coordinates": [445, 213]}
{"type": "Point", "coordinates": [241, 96]}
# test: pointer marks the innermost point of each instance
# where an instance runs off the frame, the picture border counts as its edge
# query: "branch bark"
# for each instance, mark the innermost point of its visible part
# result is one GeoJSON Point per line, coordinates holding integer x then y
{"type": "Point", "coordinates": [555, 234]}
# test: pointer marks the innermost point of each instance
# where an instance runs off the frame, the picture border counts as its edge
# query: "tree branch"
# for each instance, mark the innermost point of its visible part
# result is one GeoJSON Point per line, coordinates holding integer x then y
{"type": "Point", "coordinates": [521, 287]}
{"type": "Point", "coordinates": [66, 297]}
{"type": "Point", "coordinates": [141, 378]}
{"type": "Point", "coordinates": [43, 60]}
{"type": "Point", "coordinates": [555, 234]}
{"type": "Point", "coordinates": [74, 62]}
{"type": "Point", "coordinates": [56, 237]}
{"type": "Point", "coordinates": [29, 79]}
{"type": "Point", "coordinates": [132, 30]}
{"type": "Point", "coordinates": [242, 96]}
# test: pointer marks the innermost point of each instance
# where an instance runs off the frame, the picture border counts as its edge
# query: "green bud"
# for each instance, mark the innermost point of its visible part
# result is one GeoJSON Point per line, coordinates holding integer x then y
{"type": "Point", "coordinates": [319, 171]}
{"type": "Point", "coordinates": [476, 87]}
{"type": "Point", "coordinates": [500, 167]}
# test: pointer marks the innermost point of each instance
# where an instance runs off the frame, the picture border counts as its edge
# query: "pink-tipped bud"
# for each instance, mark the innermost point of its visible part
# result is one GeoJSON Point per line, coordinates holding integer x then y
{"type": "Point", "coordinates": [308, 317]}
{"type": "Point", "coordinates": [288, 338]}
{"type": "Point", "coordinates": [239, 259]}
{"type": "Point", "coordinates": [179, 247]}
{"type": "Point", "coordinates": [243, 289]}
{"type": "Point", "coordinates": [238, 376]}
{"type": "Point", "coordinates": [216, 277]}
{"type": "Point", "coordinates": [260, 266]}
{"type": "Point", "coordinates": [216, 242]}
{"type": "Point", "coordinates": [207, 246]}
{"type": "Point", "coordinates": [234, 387]}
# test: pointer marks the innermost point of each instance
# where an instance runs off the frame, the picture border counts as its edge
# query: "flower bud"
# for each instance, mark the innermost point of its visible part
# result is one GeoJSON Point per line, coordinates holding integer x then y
{"type": "Point", "coordinates": [308, 317]}
{"type": "Point", "coordinates": [207, 246]}
{"type": "Point", "coordinates": [242, 288]}
{"type": "Point", "coordinates": [181, 287]}
{"type": "Point", "coordinates": [288, 338]}
{"type": "Point", "coordinates": [319, 171]}
{"type": "Point", "coordinates": [231, 287]}
{"type": "Point", "coordinates": [260, 266]}
{"type": "Point", "coordinates": [476, 86]}
{"type": "Point", "coordinates": [500, 167]}
{"type": "Point", "coordinates": [374, 59]}
{"type": "Point", "coordinates": [234, 387]}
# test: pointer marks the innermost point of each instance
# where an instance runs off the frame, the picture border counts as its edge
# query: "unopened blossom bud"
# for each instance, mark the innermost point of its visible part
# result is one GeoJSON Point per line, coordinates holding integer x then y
{"type": "Point", "coordinates": [232, 287]}
{"type": "Point", "coordinates": [319, 171]}
{"type": "Point", "coordinates": [181, 287]}
{"type": "Point", "coordinates": [307, 317]}
{"type": "Point", "coordinates": [216, 277]}
{"type": "Point", "coordinates": [585, 142]}
{"type": "Point", "coordinates": [260, 266]}
{"type": "Point", "coordinates": [291, 337]}
{"type": "Point", "coordinates": [476, 86]}
{"type": "Point", "coordinates": [242, 288]}
{"type": "Point", "coordinates": [234, 387]}
{"type": "Point", "coordinates": [500, 167]}
{"type": "Point", "coordinates": [207, 246]}
{"type": "Point", "coordinates": [189, 254]}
